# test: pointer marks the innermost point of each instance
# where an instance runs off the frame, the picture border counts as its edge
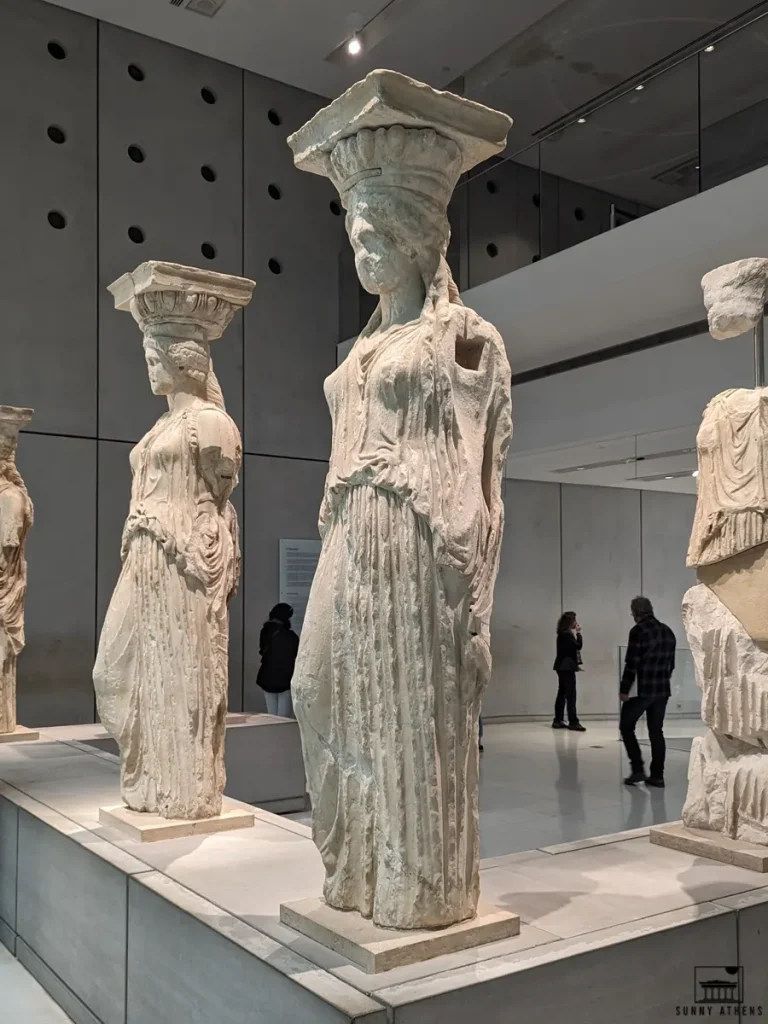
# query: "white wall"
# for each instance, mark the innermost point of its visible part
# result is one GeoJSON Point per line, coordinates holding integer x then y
{"type": "Point", "coordinates": [590, 549]}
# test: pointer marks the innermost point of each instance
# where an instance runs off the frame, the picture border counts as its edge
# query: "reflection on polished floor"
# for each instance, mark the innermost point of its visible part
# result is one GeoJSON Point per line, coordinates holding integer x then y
{"type": "Point", "coordinates": [22, 1000]}
{"type": "Point", "coordinates": [540, 787]}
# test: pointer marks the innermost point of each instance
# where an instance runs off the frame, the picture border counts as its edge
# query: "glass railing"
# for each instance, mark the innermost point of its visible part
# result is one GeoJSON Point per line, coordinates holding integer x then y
{"type": "Point", "coordinates": [682, 127]}
{"type": "Point", "coordinates": [686, 696]}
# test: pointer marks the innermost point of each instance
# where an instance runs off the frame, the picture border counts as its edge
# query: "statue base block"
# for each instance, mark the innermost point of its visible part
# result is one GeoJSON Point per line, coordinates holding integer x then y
{"type": "Point", "coordinates": [376, 949]}
{"type": "Point", "coordinates": [19, 734]}
{"type": "Point", "coordinates": [144, 827]}
{"type": "Point", "coordinates": [714, 845]}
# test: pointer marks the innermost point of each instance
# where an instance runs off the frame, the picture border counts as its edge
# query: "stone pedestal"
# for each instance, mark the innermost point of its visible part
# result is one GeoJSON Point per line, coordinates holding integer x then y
{"type": "Point", "coordinates": [377, 949]}
{"type": "Point", "coordinates": [152, 828]}
{"type": "Point", "coordinates": [19, 734]}
{"type": "Point", "coordinates": [714, 845]}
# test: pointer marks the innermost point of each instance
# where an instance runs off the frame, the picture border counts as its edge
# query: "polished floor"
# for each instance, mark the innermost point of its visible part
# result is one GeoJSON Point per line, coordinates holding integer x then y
{"type": "Point", "coordinates": [538, 788]}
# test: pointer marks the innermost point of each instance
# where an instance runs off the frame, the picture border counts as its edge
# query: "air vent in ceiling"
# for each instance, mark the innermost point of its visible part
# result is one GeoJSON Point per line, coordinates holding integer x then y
{"type": "Point", "coordinates": [205, 7]}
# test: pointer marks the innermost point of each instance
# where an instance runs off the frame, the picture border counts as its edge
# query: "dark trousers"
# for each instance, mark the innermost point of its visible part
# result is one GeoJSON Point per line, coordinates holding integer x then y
{"type": "Point", "coordinates": [566, 695]}
{"type": "Point", "coordinates": [654, 709]}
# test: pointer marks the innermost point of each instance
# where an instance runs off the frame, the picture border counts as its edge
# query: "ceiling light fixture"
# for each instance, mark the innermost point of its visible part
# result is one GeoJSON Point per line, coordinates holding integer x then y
{"type": "Point", "coordinates": [639, 88]}
{"type": "Point", "coordinates": [710, 48]}
{"type": "Point", "coordinates": [695, 472]}
{"type": "Point", "coordinates": [668, 478]}
{"type": "Point", "coordinates": [354, 46]}
{"type": "Point", "coordinates": [582, 120]}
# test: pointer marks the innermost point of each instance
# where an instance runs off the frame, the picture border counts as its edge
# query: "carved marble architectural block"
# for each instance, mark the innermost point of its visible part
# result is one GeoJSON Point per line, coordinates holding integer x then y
{"type": "Point", "coordinates": [726, 613]}
{"type": "Point", "coordinates": [395, 648]}
{"type": "Point", "coordinates": [16, 517]}
{"type": "Point", "coordinates": [161, 670]}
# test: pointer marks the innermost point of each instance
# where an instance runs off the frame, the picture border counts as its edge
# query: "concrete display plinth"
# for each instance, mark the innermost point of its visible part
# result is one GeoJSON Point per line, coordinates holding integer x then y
{"type": "Point", "coordinates": [19, 735]}
{"type": "Point", "coordinates": [378, 949]}
{"type": "Point", "coordinates": [152, 828]}
{"type": "Point", "coordinates": [714, 845]}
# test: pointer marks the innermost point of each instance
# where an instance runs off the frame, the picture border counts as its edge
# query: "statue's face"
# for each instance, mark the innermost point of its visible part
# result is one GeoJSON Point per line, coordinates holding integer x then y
{"type": "Point", "coordinates": [381, 266]}
{"type": "Point", "coordinates": [163, 375]}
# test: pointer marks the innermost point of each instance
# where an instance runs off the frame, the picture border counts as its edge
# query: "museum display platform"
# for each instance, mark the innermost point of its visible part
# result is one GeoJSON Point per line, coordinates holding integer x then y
{"type": "Point", "coordinates": [264, 767]}
{"type": "Point", "coordinates": [188, 931]}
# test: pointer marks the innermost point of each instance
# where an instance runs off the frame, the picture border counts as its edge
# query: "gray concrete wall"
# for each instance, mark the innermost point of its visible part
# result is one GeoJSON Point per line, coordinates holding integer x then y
{"type": "Point", "coordinates": [79, 363]}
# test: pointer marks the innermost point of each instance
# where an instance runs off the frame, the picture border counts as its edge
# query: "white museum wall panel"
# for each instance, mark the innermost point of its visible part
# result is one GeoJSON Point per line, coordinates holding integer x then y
{"type": "Point", "coordinates": [590, 549]}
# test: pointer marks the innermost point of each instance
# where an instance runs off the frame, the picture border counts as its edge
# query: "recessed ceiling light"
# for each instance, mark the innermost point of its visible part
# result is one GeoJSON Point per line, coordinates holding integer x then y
{"type": "Point", "coordinates": [709, 49]}
{"type": "Point", "coordinates": [668, 478]}
{"type": "Point", "coordinates": [354, 46]}
{"type": "Point", "coordinates": [639, 88]}
{"type": "Point", "coordinates": [695, 472]}
{"type": "Point", "coordinates": [582, 120]}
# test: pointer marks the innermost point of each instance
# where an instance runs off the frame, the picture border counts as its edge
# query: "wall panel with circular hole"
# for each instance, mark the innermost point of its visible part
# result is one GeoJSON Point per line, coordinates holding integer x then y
{"type": "Point", "coordinates": [48, 205]}
{"type": "Point", "coordinates": [165, 151]}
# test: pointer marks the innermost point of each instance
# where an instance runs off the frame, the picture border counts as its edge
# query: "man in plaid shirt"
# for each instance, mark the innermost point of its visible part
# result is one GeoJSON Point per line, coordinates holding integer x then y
{"type": "Point", "coordinates": [650, 662]}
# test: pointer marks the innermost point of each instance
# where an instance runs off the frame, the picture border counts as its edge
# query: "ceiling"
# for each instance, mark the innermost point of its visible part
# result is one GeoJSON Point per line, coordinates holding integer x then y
{"type": "Point", "coordinates": [535, 59]}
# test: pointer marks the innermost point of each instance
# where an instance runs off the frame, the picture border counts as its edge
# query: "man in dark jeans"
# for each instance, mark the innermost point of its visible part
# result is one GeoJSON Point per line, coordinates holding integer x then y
{"type": "Point", "coordinates": [650, 662]}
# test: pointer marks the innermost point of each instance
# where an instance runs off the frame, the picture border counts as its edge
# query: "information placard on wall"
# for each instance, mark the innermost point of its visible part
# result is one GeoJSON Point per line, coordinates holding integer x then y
{"type": "Point", "coordinates": [298, 561]}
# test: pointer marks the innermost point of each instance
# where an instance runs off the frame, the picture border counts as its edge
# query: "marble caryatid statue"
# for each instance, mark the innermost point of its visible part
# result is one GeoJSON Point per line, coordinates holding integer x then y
{"type": "Point", "coordinates": [394, 653]}
{"type": "Point", "coordinates": [161, 670]}
{"type": "Point", "coordinates": [726, 613]}
{"type": "Point", "coordinates": [16, 516]}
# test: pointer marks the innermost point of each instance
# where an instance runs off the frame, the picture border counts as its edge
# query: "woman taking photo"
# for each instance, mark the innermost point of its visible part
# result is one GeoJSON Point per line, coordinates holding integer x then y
{"type": "Point", "coordinates": [567, 664]}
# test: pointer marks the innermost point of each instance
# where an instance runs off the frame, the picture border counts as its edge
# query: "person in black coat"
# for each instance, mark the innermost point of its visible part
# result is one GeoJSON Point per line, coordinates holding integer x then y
{"type": "Point", "coordinates": [567, 664]}
{"type": "Point", "coordinates": [278, 646]}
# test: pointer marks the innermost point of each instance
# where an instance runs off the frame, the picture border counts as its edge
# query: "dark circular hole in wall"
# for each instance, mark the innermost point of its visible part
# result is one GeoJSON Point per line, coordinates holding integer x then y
{"type": "Point", "coordinates": [492, 187]}
{"type": "Point", "coordinates": [209, 96]}
{"type": "Point", "coordinates": [56, 134]}
{"type": "Point", "coordinates": [136, 153]}
{"type": "Point", "coordinates": [275, 266]}
{"type": "Point", "coordinates": [135, 72]}
{"type": "Point", "coordinates": [536, 199]}
{"type": "Point", "coordinates": [57, 220]}
{"type": "Point", "coordinates": [536, 258]}
{"type": "Point", "coordinates": [274, 191]}
{"type": "Point", "coordinates": [335, 208]}
{"type": "Point", "coordinates": [492, 249]}
{"type": "Point", "coordinates": [208, 172]}
{"type": "Point", "coordinates": [208, 250]}
{"type": "Point", "coordinates": [136, 234]}
{"type": "Point", "coordinates": [579, 214]}
{"type": "Point", "coordinates": [274, 117]}
{"type": "Point", "coordinates": [56, 50]}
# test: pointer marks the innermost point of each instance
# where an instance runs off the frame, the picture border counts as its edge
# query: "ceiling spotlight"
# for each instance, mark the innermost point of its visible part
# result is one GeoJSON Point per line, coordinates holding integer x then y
{"type": "Point", "coordinates": [695, 472]}
{"type": "Point", "coordinates": [354, 46]}
{"type": "Point", "coordinates": [710, 48]}
{"type": "Point", "coordinates": [582, 120]}
{"type": "Point", "coordinates": [668, 478]}
{"type": "Point", "coordinates": [639, 88]}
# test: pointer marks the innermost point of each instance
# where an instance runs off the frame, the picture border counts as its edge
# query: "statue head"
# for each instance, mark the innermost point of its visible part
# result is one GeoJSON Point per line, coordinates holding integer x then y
{"type": "Point", "coordinates": [176, 364]}
{"type": "Point", "coordinates": [12, 419]}
{"type": "Point", "coordinates": [734, 295]}
{"type": "Point", "coordinates": [395, 184]}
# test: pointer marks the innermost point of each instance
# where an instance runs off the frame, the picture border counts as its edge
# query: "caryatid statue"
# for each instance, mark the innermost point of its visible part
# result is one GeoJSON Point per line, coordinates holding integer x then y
{"type": "Point", "coordinates": [16, 517]}
{"type": "Point", "coordinates": [395, 647]}
{"type": "Point", "coordinates": [161, 670]}
{"type": "Point", "coordinates": [726, 613]}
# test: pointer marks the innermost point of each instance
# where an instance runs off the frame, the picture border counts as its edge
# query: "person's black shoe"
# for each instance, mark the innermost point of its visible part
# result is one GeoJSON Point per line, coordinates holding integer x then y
{"type": "Point", "coordinates": [557, 724]}
{"type": "Point", "coordinates": [656, 783]}
{"type": "Point", "coordinates": [576, 727]}
{"type": "Point", "coordinates": [634, 778]}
